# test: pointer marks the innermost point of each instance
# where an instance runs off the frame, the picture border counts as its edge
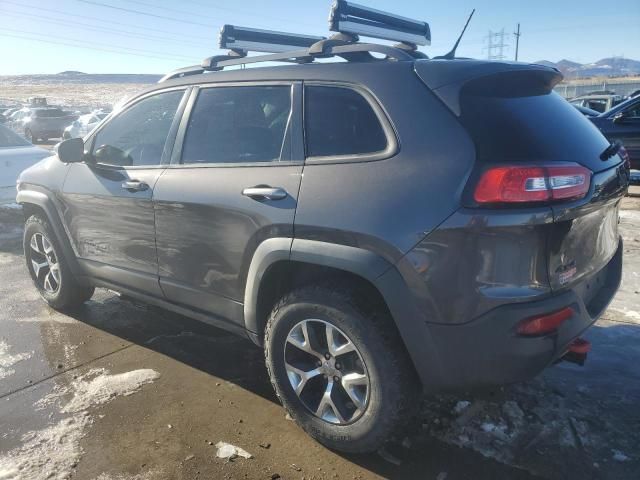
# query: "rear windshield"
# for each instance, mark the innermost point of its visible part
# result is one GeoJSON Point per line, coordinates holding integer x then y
{"type": "Point", "coordinates": [11, 139]}
{"type": "Point", "coordinates": [541, 127]}
{"type": "Point", "coordinates": [52, 112]}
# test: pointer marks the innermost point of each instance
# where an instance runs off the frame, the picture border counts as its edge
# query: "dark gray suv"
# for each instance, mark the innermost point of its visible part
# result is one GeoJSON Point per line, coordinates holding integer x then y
{"type": "Point", "coordinates": [382, 226]}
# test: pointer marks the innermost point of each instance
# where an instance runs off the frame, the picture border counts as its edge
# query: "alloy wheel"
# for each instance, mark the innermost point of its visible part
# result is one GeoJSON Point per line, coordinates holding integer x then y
{"type": "Point", "coordinates": [44, 262]}
{"type": "Point", "coordinates": [326, 371]}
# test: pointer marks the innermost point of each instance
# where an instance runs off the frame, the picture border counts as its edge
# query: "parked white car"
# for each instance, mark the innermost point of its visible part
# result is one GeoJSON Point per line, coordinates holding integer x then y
{"type": "Point", "coordinates": [16, 154]}
{"type": "Point", "coordinates": [83, 125]}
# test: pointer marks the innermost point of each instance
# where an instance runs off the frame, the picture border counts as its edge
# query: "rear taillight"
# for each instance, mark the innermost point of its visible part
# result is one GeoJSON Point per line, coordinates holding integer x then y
{"type": "Point", "coordinates": [543, 324]}
{"type": "Point", "coordinates": [532, 183]}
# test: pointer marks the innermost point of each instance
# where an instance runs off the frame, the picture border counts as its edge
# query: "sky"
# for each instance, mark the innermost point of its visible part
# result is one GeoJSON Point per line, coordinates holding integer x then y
{"type": "Point", "coordinates": [156, 36]}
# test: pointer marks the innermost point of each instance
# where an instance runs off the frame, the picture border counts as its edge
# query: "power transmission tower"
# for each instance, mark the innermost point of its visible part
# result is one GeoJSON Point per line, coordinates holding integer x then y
{"type": "Point", "coordinates": [517, 35]}
{"type": "Point", "coordinates": [495, 45]}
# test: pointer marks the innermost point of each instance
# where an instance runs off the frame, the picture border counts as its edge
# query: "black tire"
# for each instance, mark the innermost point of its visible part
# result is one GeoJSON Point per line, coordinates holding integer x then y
{"type": "Point", "coordinates": [61, 291]}
{"type": "Point", "coordinates": [393, 388]}
{"type": "Point", "coordinates": [28, 134]}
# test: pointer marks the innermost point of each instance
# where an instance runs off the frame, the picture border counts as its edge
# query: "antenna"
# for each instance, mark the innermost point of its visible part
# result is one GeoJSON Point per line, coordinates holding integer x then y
{"type": "Point", "coordinates": [451, 55]}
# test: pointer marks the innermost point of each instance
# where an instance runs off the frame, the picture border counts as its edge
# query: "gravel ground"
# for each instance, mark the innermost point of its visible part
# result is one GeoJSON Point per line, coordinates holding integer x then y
{"type": "Point", "coordinates": [119, 390]}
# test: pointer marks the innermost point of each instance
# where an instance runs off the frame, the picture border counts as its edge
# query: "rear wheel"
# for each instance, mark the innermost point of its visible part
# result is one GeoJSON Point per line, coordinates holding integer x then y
{"type": "Point", "coordinates": [29, 136]}
{"type": "Point", "coordinates": [339, 368]}
{"type": "Point", "coordinates": [48, 268]}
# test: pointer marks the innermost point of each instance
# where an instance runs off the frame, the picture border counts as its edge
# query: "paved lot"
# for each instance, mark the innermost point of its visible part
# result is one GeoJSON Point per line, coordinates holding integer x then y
{"type": "Point", "coordinates": [121, 391]}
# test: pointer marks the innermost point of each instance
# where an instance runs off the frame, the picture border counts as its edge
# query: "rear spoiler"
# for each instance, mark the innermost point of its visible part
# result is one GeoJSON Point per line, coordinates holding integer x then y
{"type": "Point", "coordinates": [447, 78]}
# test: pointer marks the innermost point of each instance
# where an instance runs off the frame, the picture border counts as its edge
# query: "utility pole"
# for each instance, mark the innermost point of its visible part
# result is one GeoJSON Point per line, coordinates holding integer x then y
{"type": "Point", "coordinates": [517, 35]}
{"type": "Point", "coordinates": [495, 45]}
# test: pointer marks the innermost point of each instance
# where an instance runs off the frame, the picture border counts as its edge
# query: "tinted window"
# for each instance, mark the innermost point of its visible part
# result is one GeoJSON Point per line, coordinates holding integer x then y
{"type": "Point", "coordinates": [530, 128]}
{"type": "Point", "coordinates": [633, 111]}
{"type": "Point", "coordinates": [137, 136]}
{"type": "Point", "coordinates": [340, 121]}
{"type": "Point", "coordinates": [237, 125]}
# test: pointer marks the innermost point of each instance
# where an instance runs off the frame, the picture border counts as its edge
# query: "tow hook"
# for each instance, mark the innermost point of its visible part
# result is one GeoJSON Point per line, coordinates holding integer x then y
{"type": "Point", "coordinates": [577, 351]}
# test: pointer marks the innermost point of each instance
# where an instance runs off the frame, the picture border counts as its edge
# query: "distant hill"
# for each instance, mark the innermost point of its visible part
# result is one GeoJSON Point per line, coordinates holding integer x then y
{"type": "Point", "coordinates": [606, 67]}
{"type": "Point", "coordinates": [71, 77]}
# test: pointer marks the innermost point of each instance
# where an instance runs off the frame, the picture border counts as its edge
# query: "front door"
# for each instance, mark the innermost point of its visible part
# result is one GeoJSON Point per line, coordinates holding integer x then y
{"type": "Point", "coordinates": [108, 199]}
{"type": "Point", "coordinates": [234, 185]}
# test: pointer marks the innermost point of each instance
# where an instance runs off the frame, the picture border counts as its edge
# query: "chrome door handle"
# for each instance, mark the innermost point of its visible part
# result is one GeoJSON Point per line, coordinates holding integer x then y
{"type": "Point", "coordinates": [265, 193]}
{"type": "Point", "coordinates": [135, 186]}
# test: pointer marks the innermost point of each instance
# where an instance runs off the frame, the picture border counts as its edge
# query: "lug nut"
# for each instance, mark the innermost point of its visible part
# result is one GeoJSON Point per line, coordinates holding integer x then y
{"type": "Point", "coordinates": [338, 366]}
{"type": "Point", "coordinates": [327, 356]}
{"type": "Point", "coordinates": [318, 363]}
{"type": "Point", "coordinates": [336, 379]}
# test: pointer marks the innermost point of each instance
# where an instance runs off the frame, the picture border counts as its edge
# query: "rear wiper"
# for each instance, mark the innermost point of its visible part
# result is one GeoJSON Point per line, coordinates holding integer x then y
{"type": "Point", "coordinates": [610, 151]}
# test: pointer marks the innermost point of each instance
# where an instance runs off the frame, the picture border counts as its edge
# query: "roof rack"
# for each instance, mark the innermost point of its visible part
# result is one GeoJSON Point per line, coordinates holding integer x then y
{"type": "Point", "coordinates": [351, 18]}
{"type": "Point", "coordinates": [347, 18]}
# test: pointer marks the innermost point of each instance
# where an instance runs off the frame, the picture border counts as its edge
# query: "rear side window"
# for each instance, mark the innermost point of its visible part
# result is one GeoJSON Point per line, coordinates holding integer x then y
{"type": "Point", "coordinates": [340, 121]}
{"type": "Point", "coordinates": [238, 125]}
{"type": "Point", "coordinates": [543, 127]}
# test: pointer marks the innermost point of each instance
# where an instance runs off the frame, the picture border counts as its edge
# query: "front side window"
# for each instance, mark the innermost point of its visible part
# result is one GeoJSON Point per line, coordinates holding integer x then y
{"type": "Point", "coordinates": [238, 125]}
{"type": "Point", "coordinates": [137, 136]}
{"type": "Point", "coordinates": [340, 121]}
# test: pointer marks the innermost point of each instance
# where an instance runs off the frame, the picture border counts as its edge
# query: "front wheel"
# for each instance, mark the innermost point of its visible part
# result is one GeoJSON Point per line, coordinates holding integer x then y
{"type": "Point", "coordinates": [339, 368]}
{"type": "Point", "coordinates": [48, 268]}
{"type": "Point", "coordinates": [29, 136]}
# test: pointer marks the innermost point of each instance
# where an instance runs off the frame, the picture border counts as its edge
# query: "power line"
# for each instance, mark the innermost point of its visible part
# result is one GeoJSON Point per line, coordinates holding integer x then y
{"type": "Point", "coordinates": [95, 19]}
{"type": "Point", "coordinates": [147, 14]}
{"type": "Point", "coordinates": [247, 12]}
{"type": "Point", "coordinates": [97, 49]}
{"type": "Point", "coordinates": [101, 45]}
{"type": "Point", "coordinates": [96, 28]}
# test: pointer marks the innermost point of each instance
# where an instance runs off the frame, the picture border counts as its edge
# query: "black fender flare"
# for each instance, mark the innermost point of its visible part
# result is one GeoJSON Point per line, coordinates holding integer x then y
{"type": "Point", "coordinates": [413, 330]}
{"type": "Point", "coordinates": [44, 202]}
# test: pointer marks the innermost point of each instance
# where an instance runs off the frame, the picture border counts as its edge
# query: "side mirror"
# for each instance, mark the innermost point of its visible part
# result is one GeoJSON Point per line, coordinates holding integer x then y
{"type": "Point", "coordinates": [619, 117]}
{"type": "Point", "coordinates": [71, 151]}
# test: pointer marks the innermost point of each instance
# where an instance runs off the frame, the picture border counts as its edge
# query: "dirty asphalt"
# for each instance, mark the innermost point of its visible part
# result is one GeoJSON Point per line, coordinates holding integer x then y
{"type": "Point", "coordinates": [118, 390]}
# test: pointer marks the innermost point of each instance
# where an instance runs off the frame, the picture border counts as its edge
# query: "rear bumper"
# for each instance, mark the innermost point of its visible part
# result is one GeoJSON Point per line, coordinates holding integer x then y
{"type": "Point", "coordinates": [488, 351]}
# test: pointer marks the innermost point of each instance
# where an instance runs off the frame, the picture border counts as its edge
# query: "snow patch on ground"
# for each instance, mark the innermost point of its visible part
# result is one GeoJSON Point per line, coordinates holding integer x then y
{"type": "Point", "coordinates": [630, 314]}
{"type": "Point", "coordinates": [50, 453]}
{"type": "Point", "coordinates": [630, 214]}
{"type": "Point", "coordinates": [55, 318]}
{"type": "Point", "coordinates": [7, 360]}
{"type": "Point", "coordinates": [103, 387]}
{"type": "Point", "coordinates": [150, 475]}
{"type": "Point", "coordinates": [53, 452]}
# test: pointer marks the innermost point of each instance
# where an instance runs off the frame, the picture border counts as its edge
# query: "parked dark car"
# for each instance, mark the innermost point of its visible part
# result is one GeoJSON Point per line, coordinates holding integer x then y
{"type": "Point", "coordinates": [41, 124]}
{"type": "Point", "coordinates": [587, 112]}
{"type": "Point", "coordinates": [600, 102]}
{"type": "Point", "coordinates": [458, 232]}
{"type": "Point", "coordinates": [622, 123]}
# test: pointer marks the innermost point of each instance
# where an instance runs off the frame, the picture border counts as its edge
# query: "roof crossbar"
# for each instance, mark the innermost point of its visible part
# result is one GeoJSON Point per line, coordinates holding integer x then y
{"type": "Point", "coordinates": [354, 19]}
{"type": "Point", "coordinates": [348, 51]}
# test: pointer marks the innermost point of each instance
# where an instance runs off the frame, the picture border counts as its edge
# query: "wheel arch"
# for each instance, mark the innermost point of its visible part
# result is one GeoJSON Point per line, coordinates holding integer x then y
{"type": "Point", "coordinates": [36, 202]}
{"type": "Point", "coordinates": [276, 267]}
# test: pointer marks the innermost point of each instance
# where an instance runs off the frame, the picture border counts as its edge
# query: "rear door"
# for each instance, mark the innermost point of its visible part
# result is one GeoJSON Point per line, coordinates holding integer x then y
{"type": "Point", "coordinates": [108, 202]}
{"type": "Point", "coordinates": [233, 183]}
